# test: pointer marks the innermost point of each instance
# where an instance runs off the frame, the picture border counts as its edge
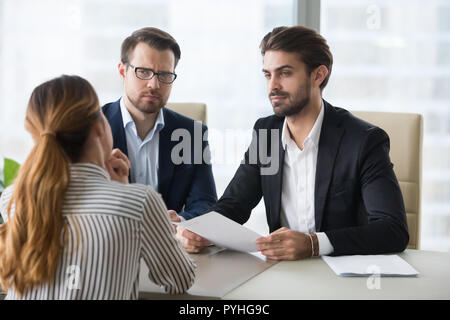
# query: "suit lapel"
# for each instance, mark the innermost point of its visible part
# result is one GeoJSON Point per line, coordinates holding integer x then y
{"type": "Point", "coordinates": [118, 131]}
{"type": "Point", "coordinates": [166, 166]}
{"type": "Point", "coordinates": [330, 138]}
{"type": "Point", "coordinates": [275, 187]}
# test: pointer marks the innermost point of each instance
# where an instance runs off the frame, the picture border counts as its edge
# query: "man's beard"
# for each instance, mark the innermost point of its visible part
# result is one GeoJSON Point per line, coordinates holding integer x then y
{"type": "Point", "coordinates": [148, 106]}
{"type": "Point", "coordinates": [299, 102]}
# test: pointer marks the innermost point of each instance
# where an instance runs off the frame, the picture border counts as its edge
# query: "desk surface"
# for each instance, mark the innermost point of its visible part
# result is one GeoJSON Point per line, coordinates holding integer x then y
{"type": "Point", "coordinates": [217, 274]}
{"type": "Point", "coordinates": [313, 279]}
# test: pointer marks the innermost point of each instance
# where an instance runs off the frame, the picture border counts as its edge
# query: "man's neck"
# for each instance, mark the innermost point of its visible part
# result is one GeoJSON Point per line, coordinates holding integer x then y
{"type": "Point", "coordinates": [144, 122]}
{"type": "Point", "coordinates": [301, 124]}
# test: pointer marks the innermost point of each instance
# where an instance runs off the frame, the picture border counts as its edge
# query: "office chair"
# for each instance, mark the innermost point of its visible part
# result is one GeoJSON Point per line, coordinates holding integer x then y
{"type": "Point", "coordinates": [196, 111]}
{"type": "Point", "coordinates": [405, 131]}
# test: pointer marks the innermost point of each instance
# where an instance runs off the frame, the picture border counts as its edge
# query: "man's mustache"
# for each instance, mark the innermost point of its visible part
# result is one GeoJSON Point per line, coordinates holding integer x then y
{"type": "Point", "coordinates": [278, 93]}
{"type": "Point", "coordinates": [150, 93]}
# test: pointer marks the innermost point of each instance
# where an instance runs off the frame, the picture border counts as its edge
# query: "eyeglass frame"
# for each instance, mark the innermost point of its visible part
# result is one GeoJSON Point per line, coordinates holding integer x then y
{"type": "Point", "coordinates": [154, 73]}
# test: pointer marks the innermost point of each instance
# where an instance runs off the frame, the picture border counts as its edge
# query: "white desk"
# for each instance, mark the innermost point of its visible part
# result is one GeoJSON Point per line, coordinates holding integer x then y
{"type": "Point", "coordinates": [313, 279]}
{"type": "Point", "coordinates": [217, 274]}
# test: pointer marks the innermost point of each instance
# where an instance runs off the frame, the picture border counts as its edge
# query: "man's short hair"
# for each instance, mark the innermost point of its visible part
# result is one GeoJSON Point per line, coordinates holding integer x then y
{"type": "Point", "coordinates": [310, 46]}
{"type": "Point", "coordinates": [153, 37]}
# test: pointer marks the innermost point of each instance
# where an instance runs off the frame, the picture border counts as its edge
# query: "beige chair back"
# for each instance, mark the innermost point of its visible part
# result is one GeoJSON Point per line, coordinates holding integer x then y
{"type": "Point", "coordinates": [405, 131]}
{"type": "Point", "coordinates": [196, 111]}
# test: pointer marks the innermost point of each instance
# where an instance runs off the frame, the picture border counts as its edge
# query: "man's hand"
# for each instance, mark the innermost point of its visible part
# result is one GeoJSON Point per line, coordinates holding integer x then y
{"type": "Point", "coordinates": [285, 244]}
{"type": "Point", "coordinates": [118, 166]}
{"type": "Point", "coordinates": [174, 217]}
{"type": "Point", "coordinates": [192, 242]}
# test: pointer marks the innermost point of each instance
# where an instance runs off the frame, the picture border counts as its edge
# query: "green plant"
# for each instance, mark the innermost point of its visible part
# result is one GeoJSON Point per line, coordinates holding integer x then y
{"type": "Point", "coordinates": [8, 172]}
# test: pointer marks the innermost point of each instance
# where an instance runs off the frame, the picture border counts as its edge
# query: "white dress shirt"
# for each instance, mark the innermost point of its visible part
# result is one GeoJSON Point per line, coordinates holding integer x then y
{"type": "Point", "coordinates": [299, 175]}
{"type": "Point", "coordinates": [143, 154]}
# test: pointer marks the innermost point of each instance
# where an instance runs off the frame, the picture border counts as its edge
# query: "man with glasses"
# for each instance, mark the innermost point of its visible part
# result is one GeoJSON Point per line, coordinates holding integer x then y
{"type": "Point", "coordinates": [142, 128]}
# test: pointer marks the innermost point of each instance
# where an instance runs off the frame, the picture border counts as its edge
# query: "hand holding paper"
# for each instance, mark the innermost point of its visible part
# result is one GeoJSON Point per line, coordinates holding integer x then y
{"type": "Point", "coordinates": [192, 242]}
{"type": "Point", "coordinates": [222, 232]}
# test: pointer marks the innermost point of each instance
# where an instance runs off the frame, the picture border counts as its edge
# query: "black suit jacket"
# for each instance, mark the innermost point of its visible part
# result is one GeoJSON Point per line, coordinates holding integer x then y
{"type": "Point", "coordinates": [187, 188]}
{"type": "Point", "coordinates": [358, 202]}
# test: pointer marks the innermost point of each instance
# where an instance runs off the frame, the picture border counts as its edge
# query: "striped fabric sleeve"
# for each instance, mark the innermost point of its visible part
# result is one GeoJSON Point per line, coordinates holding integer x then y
{"type": "Point", "coordinates": [4, 200]}
{"type": "Point", "coordinates": [168, 263]}
{"type": "Point", "coordinates": [2, 209]}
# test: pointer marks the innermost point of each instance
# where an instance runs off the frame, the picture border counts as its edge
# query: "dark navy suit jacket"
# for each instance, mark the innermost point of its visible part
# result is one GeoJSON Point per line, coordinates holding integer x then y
{"type": "Point", "coordinates": [187, 188]}
{"type": "Point", "coordinates": [358, 202]}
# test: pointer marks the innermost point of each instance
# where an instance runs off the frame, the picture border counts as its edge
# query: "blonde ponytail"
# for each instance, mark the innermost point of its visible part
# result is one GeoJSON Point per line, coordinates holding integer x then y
{"type": "Point", "coordinates": [59, 116]}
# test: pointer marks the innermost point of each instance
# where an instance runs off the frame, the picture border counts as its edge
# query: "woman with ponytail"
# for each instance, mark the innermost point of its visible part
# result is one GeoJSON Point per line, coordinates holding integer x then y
{"type": "Point", "coordinates": [74, 228]}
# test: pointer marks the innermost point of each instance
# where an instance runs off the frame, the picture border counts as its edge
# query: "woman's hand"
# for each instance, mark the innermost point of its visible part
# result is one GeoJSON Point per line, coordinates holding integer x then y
{"type": "Point", "coordinates": [118, 166]}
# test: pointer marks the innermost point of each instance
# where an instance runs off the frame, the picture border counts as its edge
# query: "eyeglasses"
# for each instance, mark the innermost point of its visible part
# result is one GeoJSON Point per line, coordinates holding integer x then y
{"type": "Point", "coordinates": [147, 74]}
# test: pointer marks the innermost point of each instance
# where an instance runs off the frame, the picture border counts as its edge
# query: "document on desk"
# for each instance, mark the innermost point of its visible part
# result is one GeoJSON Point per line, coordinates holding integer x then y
{"type": "Point", "coordinates": [367, 265]}
{"type": "Point", "coordinates": [223, 232]}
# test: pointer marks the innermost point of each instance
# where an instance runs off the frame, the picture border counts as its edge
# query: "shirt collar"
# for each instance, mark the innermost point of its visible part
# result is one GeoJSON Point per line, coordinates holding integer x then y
{"type": "Point", "coordinates": [317, 128]}
{"type": "Point", "coordinates": [127, 119]}
{"type": "Point", "coordinates": [85, 169]}
{"type": "Point", "coordinates": [159, 123]}
{"type": "Point", "coordinates": [314, 134]}
{"type": "Point", "coordinates": [126, 116]}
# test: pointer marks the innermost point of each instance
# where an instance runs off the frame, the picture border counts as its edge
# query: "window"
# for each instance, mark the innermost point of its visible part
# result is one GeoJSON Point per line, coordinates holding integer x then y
{"type": "Point", "coordinates": [394, 56]}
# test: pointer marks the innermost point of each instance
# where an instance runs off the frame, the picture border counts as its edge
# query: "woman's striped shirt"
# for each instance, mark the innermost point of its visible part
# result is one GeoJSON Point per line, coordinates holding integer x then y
{"type": "Point", "coordinates": [111, 227]}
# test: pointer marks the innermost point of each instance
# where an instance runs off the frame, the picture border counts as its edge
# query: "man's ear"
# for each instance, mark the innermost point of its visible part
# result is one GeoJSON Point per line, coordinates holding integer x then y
{"type": "Point", "coordinates": [319, 75]}
{"type": "Point", "coordinates": [122, 69]}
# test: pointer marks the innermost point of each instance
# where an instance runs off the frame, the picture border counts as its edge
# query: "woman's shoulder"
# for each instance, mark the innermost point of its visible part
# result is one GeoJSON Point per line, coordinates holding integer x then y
{"type": "Point", "coordinates": [133, 188]}
{"type": "Point", "coordinates": [136, 190]}
{"type": "Point", "coordinates": [147, 198]}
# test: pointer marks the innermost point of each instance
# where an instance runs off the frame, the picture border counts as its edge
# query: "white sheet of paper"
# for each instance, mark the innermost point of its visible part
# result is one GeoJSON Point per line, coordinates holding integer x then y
{"type": "Point", "coordinates": [361, 265]}
{"type": "Point", "coordinates": [223, 232]}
